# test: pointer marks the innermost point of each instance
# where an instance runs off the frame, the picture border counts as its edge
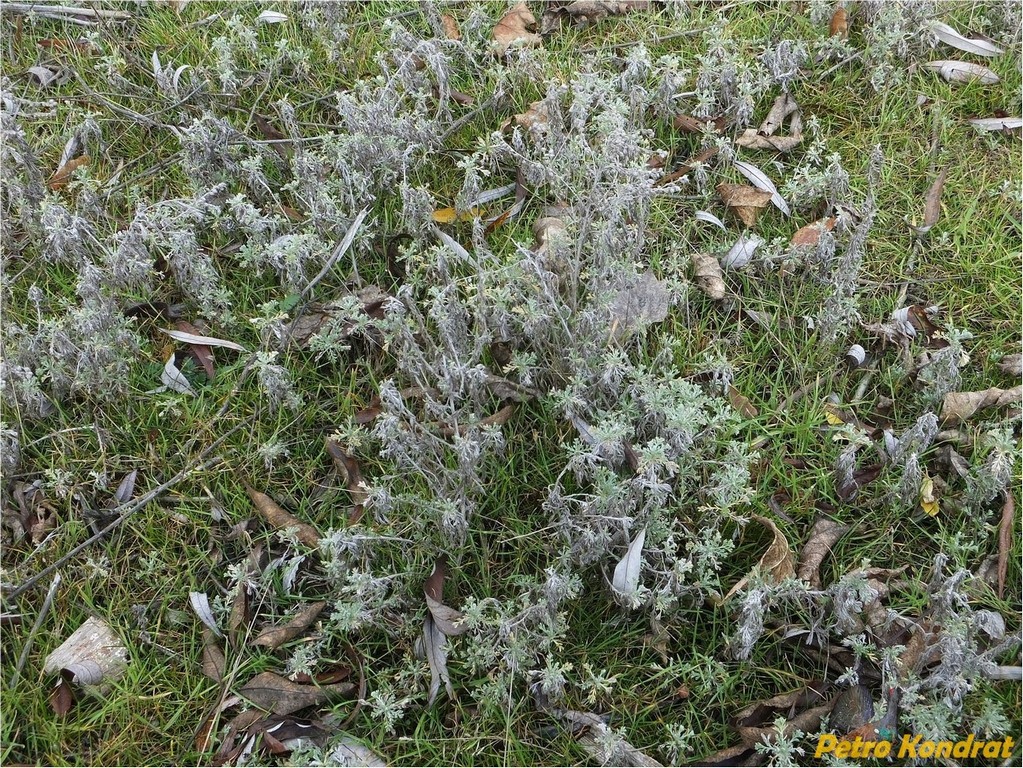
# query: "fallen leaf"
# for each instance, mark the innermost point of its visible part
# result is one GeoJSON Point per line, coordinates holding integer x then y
{"type": "Point", "coordinates": [278, 695]}
{"type": "Point", "coordinates": [1005, 540]}
{"type": "Point", "coordinates": [625, 581]}
{"type": "Point", "coordinates": [745, 202]}
{"type": "Point", "coordinates": [516, 29]}
{"type": "Point", "coordinates": [688, 166]}
{"type": "Point", "coordinates": [782, 107]}
{"type": "Point", "coordinates": [959, 406]}
{"type": "Point", "coordinates": [962, 72]}
{"type": "Point", "coordinates": [839, 26]}
{"type": "Point", "coordinates": [856, 356]}
{"type": "Point", "coordinates": [760, 180]}
{"type": "Point", "coordinates": [853, 709]}
{"type": "Point", "coordinates": [200, 603]}
{"type": "Point", "coordinates": [802, 709]}
{"type": "Point", "coordinates": [584, 12]}
{"type": "Point", "coordinates": [645, 302]}
{"type": "Point", "coordinates": [823, 536]}
{"type": "Point", "coordinates": [354, 754]}
{"type": "Point", "coordinates": [271, 17]}
{"type": "Point", "coordinates": [707, 271]}
{"type": "Point", "coordinates": [741, 403]}
{"type": "Point", "coordinates": [997, 123]}
{"type": "Point", "coordinates": [450, 26]}
{"type": "Point", "coordinates": [276, 636]}
{"type": "Point", "coordinates": [932, 203]}
{"type": "Point", "coordinates": [46, 76]}
{"type": "Point", "coordinates": [861, 477]}
{"type": "Point", "coordinates": [593, 735]}
{"type": "Point", "coordinates": [62, 175]}
{"type": "Point", "coordinates": [710, 218]}
{"type": "Point", "coordinates": [950, 36]}
{"type": "Point", "coordinates": [776, 564]}
{"type": "Point", "coordinates": [174, 380]}
{"type": "Point", "coordinates": [750, 139]}
{"type": "Point", "coordinates": [810, 235]}
{"type": "Point", "coordinates": [282, 520]}
{"type": "Point", "coordinates": [740, 254]}
{"type": "Point", "coordinates": [928, 500]}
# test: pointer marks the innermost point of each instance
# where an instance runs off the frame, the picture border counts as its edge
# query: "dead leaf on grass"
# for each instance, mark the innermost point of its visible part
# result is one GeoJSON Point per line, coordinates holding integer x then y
{"type": "Point", "coordinates": [173, 379]}
{"type": "Point", "coordinates": [46, 76]}
{"type": "Point", "coordinates": [928, 498]}
{"type": "Point", "coordinates": [810, 235]}
{"type": "Point", "coordinates": [1005, 540]}
{"type": "Point", "coordinates": [213, 660]}
{"type": "Point", "coordinates": [741, 403]}
{"type": "Point", "coordinates": [585, 12]}
{"type": "Point", "coordinates": [962, 72]}
{"type": "Point", "coordinates": [803, 710]}
{"type": "Point", "coordinates": [760, 180]}
{"type": "Point", "coordinates": [959, 406]}
{"type": "Point", "coordinates": [741, 254]}
{"type": "Point", "coordinates": [516, 29]}
{"type": "Point", "coordinates": [1012, 365]}
{"type": "Point", "coordinates": [744, 201]}
{"type": "Point", "coordinates": [433, 646]}
{"type": "Point", "coordinates": [200, 603]}
{"type": "Point", "coordinates": [823, 536]}
{"type": "Point", "coordinates": [625, 582]}
{"type": "Point", "coordinates": [932, 204]}
{"type": "Point", "coordinates": [535, 115]}
{"type": "Point", "coordinates": [281, 519]}
{"type": "Point", "coordinates": [688, 166]}
{"type": "Point", "coordinates": [274, 637]}
{"type": "Point", "coordinates": [847, 489]}
{"type": "Point", "coordinates": [997, 123]}
{"type": "Point", "coordinates": [707, 271]}
{"type": "Point", "coordinates": [950, 36]}
{"type": "Point", "coordinates": [690, 124]}
{"type": "Point", "coordinates": [63, 175]}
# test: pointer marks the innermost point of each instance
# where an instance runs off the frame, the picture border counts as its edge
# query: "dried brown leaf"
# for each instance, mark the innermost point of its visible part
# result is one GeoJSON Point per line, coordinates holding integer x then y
{"type": "Point", "coordinates": [823, 535]}
{"type": "Point", "coordinates": [932, 203]}
{"type": "Point", "coordinates": [690, 124]}
{"type": "Point", "coordinates": [276, 636]}
{"type": "Point", "coordinates": [213, 660]}
{"type": "Point", "coordinates": [776, 564]}
{"type": "Point", "coordinates": [707, 271]}
{"type": "Point", "coordinates": [62, 175]}
{"type": "Point", "coordinates": [1012, 365]}
{"type": "Point", "coordinates": [536, 115]}
{"type": "Point", "coordinates": [962, 72]}
{"type": "Point", "coordinates": [281, 519]}
{"type": "Point", "coordinates": [959, 406]}
{"type": "Point", "coordinates": [592, 733]}
{"type": "Point", "coordinates": [445, 618]}
{"type": "Point", "coordinates": [1005, 539]}
{"type": "Point", "coordinates": [202, 353]}
{"type": "Point", "coordinates": [810, 235]}
{"type": "Point", "coordinates": [638, 305]}
{"type": "Point", "coordinates": [278, 695]}
{"type": "Point", "coordinates": [744, 201]}
{"type": "Point", "coordinates": [783, 106]}
{"type": "Point", "coordinates": [588, 11]}
{"type": "Point", "coordinates": [516, 29]}
{"type": "Point", "coordinates": [688, 166]}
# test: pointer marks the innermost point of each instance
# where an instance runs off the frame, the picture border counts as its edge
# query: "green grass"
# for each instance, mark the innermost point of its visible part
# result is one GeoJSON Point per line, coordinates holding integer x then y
{"type": "Point", "coordinates": [969, 266]}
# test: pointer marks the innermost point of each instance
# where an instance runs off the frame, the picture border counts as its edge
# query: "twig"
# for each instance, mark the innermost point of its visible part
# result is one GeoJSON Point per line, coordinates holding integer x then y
{"type": "Point", "coordinates": [64, 13]}
{"type": "Point", "coordinates": [340, 251]}
{"type": "Point", "coordinates": [45, 609]}
{"type": "Point", "coordinates": [839, 65]}
{"type": "Point", "coordinates": [132, 508]}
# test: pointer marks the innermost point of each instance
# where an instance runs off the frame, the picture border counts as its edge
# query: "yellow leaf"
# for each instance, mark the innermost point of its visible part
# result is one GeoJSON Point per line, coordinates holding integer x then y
{"type": "Point", "coordinates": [833, 415]}
{"type": "Point", "coordinates": [928, 501]}
{"type": "Point", "coordinates": [450, 215]}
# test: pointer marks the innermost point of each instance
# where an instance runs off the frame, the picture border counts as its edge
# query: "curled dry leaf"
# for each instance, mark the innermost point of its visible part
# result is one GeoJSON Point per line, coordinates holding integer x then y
{"type": "Point", "coordinates": [783, 106]}
{"type": "Point", "coordinates": [194, 337]}
{"type": "Point", "coordinates": [434, 645]}
{"type": "Point", "coordinates": [744, 201]}
{"type": "Point", "coordinates": [810, 235]}
{"type": "Point", "coordinates": [271, 17]}
{"type": "Point", "coordinates": [803, 710]}
{"type": "Point", "coordinates": [91, 655]}
{"type": "Point", "coordinates": [750, 139]}
{"type": "Point", "coordinates": [741, 403]}
{"type": "Point", "coordinates": [200, 603]}
{"type": "Point", "coordinates": [777, 563]}
{"type": "Point", "coordinates": [214, 663]}
{"type": "Point", "coordinates": [276, 636]}
{"type": "Point", "coordinates": [1005, 539]}
{"type": "Point", "coordinates": [710, 218]}
{"type": "Point", "coordinates": [63, 175]}
{"type": "Point", "coordinates": [447, 619]}
{"type": "Point", "coordinates": [174, 380]}
{"type": "Point", "coordinates": [823, 536]}
{"type": "Point", "coordinates": [46, 76]}
{"type": "Point", "coordinates": [932, 203]}
{"type": "Point", "coordinates": [962, 72]}
{"type": "Point", "coordinates": [588, 11]}
{"type": "Point", "coordinates": [707, 271]}
{"type": "Point", "coordinates": [959, 406]}
{"type": "Point", "coordinates": [928, 497]}
{"type": "Point", "coordinates": [281, 519]}
{"type": "Point", "coordinates": [760, 180]}
{"type": "Point", "coordinates": [689, 124]}
{"type": "Point", "coordinates": [516, 29]}
{"type": "Point", "coordinates": [535, 115]}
